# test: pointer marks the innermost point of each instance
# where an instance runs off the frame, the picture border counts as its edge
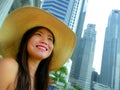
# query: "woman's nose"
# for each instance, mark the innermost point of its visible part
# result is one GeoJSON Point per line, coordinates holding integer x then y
{"type": "Point", "coordinates": [44, 40]}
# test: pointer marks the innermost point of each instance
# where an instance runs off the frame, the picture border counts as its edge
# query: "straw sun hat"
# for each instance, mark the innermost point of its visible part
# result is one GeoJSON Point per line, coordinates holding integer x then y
{"type": "Point", "coordinates": [22, 19]}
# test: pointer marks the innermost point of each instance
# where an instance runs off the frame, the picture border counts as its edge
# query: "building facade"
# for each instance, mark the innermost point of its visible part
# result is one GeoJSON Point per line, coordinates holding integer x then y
{"type": "Point", "coordinates": [110, 68]}
{"type": "Point", "coordinates": [87, 56]}
{"type": "Point", "coordinates": [83, 66]}
{"type": "Point", "coordinates": [62, 9]}
{"type": "Point", "coordinates": [82, 4]}
{"type": "Point", "coordinates": [5, 6]}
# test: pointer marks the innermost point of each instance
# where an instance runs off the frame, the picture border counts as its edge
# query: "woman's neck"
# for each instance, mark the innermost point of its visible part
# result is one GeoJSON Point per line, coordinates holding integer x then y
{"type": "Point", "coordinates": [33, 65]}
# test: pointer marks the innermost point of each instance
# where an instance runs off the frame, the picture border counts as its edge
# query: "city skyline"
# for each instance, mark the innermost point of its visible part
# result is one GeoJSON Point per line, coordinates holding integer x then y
{"type": "Point", "coordinates": [99, 15]}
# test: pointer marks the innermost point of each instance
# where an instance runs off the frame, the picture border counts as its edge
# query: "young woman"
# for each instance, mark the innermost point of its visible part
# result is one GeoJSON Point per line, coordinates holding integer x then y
{"type": "Point", "coordinates": [32, 45]}
{"type": "Point", "coordinates": [33, 59]}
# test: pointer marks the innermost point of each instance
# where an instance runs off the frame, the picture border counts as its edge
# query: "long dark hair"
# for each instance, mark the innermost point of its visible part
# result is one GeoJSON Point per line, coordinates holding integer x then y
{"type": "Point", "coordinates": [42, 73]}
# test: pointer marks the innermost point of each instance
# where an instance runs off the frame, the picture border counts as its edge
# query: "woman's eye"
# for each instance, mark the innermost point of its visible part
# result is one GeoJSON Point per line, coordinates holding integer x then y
{"type": "Point", "coordinates": [38, 34]}
{"type": "Point", "coordinates": [51, 39]}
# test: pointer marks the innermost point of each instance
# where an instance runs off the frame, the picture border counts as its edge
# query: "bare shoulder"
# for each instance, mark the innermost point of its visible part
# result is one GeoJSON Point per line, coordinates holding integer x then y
{"type": "Point", "coordinates": [8, 70]}
{"type": "Point", "coordinates": [8, 63]}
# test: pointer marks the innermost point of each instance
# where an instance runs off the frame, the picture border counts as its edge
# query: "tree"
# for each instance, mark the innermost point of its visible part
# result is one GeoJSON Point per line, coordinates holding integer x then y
{"type": "Point", "coordinates": [59, 76]}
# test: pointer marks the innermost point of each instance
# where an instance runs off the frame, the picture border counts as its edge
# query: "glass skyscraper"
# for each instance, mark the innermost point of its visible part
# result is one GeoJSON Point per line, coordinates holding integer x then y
{"type": "Point", "coordinates": [110, 73]}
{"type": "Point", "coordinates": [61, 9]}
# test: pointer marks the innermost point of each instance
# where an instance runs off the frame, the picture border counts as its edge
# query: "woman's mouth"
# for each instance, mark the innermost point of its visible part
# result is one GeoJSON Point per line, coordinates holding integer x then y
{"type": "Point", "coordinates": [41, 47]}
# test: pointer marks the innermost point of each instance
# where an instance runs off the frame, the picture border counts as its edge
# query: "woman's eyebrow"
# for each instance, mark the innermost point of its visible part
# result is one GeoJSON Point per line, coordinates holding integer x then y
{"type": "Point", "coordinates": [49, 35]}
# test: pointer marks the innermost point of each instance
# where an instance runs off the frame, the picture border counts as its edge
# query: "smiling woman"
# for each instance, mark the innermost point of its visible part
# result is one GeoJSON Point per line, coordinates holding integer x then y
{"type": "Point", "coordinates": [36, 50]}
{"type": "Point", "coordinates": [30, 44]}
{"type": "Point", "coordinates": [40, 45]}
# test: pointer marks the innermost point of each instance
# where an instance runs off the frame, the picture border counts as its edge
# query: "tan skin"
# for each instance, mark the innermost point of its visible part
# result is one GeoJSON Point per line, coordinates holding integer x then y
{"type": "Point", "coordinates": [39, 47]}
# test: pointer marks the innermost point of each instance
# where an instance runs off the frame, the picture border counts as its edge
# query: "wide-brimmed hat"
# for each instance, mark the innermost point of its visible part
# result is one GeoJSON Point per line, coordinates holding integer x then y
{"type": "Point", "coordinates": [22, 19]}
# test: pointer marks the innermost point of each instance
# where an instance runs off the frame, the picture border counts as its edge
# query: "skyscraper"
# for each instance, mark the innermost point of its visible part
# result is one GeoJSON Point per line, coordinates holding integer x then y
{"type": "Point", "coordinates": [61, 9]}
{"type": "Point", "coordinates": [85, 60]}
{"type": "Point", "coordinates": [76, 61]}
{"type": "Point", "coordinates": [110, 68]}
{"type": "Point", "coordinates": [71, 12]}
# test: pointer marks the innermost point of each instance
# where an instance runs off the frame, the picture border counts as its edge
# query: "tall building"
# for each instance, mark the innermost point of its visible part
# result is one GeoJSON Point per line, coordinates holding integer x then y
{"type": "Point", "coordinates": [76, 61]}
{"type": "Point", "coordinates": [83, 66]}
{"type": "Point", "coordinates": [61, 9]}
{"type": "Point", "coordinates": [86, 57]}
{"type": "Point", "coordinates": [110, 68]}
{"type": "Point", "coordinates": [71, 12]}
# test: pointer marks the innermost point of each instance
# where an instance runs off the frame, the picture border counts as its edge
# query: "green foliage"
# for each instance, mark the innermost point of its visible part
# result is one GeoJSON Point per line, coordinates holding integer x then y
{"type": "Point", "coordinates": [60, 76]}
{"type": "Point", "coordinates": [77, 88]}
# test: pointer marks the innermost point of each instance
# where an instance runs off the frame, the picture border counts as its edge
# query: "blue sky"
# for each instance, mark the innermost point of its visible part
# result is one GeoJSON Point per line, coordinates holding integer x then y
{"type": "Point", "coordinates": [97, 13]}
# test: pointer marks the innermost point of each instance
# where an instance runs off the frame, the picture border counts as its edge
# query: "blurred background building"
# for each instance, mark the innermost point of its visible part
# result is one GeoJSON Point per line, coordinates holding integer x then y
{"type": "Point", "coordinates": [110, 69]}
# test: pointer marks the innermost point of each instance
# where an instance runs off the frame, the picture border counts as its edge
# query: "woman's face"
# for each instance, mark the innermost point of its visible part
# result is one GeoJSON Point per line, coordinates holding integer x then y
{"type": "Point", "coordinates": [40, 45]}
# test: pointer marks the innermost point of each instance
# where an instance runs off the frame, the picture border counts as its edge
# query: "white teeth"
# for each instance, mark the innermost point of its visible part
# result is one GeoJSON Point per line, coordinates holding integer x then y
{"type": "Point", "coordinates": [42, 48]}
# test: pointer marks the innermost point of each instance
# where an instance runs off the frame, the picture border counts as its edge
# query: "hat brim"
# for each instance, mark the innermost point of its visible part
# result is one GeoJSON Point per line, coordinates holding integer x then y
{"type": "Point", "coordinates": [22, 19]}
